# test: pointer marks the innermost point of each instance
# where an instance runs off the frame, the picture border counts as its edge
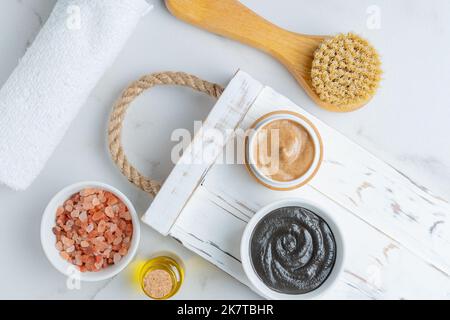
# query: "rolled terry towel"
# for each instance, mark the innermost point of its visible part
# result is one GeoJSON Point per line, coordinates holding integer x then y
{"type": "Point", "coordinates": [77, 44]}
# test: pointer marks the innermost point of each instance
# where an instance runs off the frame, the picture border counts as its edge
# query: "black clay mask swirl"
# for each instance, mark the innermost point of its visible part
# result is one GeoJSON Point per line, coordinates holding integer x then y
{"type": "Point", "coordinates": [293, 250]}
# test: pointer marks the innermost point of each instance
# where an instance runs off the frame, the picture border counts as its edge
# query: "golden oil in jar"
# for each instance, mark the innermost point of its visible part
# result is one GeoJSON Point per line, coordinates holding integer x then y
{"type": "Point", "coordinates": [161, 277]}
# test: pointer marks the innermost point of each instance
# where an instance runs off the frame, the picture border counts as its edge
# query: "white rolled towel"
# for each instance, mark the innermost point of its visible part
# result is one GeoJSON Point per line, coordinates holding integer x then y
{"type": "Point", "coordinates": [77, 44]}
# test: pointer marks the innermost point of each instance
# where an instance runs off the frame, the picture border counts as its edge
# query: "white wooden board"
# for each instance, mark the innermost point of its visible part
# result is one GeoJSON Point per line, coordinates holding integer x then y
{"type": "Point", "coordinates": [397, 233]}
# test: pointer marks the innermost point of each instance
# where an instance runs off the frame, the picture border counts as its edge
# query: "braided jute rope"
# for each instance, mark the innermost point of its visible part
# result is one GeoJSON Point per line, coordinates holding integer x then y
{"type": "Point", "coordinates": [119, 111]}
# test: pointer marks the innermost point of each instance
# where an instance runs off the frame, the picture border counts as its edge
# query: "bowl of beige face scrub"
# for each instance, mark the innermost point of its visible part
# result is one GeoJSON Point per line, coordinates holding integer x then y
{"type": "Point", "coordinates": [283, 150]}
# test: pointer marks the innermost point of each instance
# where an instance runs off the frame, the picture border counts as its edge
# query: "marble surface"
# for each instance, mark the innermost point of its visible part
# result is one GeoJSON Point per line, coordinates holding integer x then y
{"type": "Point", "coordinates": [406, 124]}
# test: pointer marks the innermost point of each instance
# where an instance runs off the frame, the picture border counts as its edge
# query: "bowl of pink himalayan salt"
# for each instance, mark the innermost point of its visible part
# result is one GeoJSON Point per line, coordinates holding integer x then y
{"type": "Point", "coordinates": [90, 231]}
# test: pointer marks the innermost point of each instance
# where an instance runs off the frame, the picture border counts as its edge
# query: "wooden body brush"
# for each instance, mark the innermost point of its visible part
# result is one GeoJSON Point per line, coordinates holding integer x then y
{"type": "Point", "coordinates": [339, 73]}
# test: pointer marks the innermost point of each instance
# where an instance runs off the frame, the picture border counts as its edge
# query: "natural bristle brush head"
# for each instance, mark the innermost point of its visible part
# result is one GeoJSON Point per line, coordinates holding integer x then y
{"type": "Point", "coordinates": [346, 72]}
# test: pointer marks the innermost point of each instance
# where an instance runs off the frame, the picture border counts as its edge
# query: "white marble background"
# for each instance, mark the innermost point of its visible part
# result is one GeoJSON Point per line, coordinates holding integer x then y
{"type": "Point", "coordinates": [406, 124]}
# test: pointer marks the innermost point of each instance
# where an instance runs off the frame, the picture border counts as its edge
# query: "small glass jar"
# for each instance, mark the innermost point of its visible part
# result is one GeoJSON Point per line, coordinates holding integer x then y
{"type": "Point", "coordinates": [161, 277]}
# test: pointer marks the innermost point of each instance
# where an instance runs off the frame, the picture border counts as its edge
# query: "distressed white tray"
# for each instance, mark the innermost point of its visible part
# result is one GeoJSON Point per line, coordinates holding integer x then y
{"type": "Point", "coordinates": [397, 233]}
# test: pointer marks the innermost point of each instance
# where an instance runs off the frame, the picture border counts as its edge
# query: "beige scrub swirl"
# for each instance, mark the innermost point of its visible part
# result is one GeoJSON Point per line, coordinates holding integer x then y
{"type": "Point", "coordinates": [284, 151]}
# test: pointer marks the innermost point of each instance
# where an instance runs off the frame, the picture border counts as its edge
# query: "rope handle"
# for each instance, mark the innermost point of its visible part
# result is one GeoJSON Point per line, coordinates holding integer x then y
{"type": "Point", "coordinates": [121, 106]}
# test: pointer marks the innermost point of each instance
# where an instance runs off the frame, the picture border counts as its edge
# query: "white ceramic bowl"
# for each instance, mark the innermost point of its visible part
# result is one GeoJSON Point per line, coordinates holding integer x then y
{"type": "Point", "coordinates": [48, 239]}
{"type": "Point", "coordinates": [258, 284]}
{"type": "Point", "coordinates": [251, 141]}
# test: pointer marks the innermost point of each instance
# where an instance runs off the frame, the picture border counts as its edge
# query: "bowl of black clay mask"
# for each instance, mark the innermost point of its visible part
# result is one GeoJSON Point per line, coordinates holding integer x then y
{"type": "Point", "coordinates": [292, 249]}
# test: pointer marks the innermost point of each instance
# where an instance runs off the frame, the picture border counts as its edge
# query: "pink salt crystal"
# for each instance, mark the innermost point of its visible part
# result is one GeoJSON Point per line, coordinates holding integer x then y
{"type": "Point", "coordinates": [59, 246]}
{"type": "Point", "coordinates": [122, 225]}
{"type": "Point", "coordinates": [113, 227]}
{"type": "Point", "coordinates": [95, 201]}
{"type": "Point", "coordinates": [87, 206]}
{"type": "Point", "coordinates": [111, 199]}
{"type": "Point", "coordinates": [75, 213]}
{"type": "Point", "coordinates": [102, 198]}
{"type": "Point", "coordinates": [101, 226]}
{"type": "Point", "coordinates": [68, 208]}
{"type": "Point", "coordinates": [87, 192]}
{"type": "Point", "coordinates": [107, 252]}
{"type": "Point", "coordinates": [117, 241]}
{"type": "Point", "coordinates": [117, 257]}
{"type": "Point", "coordinates": [69, 224]}
{"type": "Point", "coordinates": [78, 261]}
{"type": "Point", "coordinates": [70, 249]}
{"type": "Point", "coordinates": [83, 216]}
{"type": "Point", "coordinates": [98, 262]}
{"type": "Point", "coordinates": [123, 251]}
{"type": "Point", "coordinates": [93, 234]}
{"type": "Point", "coordinates": [100, 239]}
{"type": "Point", "coordinates": [101, 246]}
{"type": "Point", "coordinates": [90, 260]}
{"type": "Point", "coordinates": [65, 255]}
{"type": "Point", "coordinates": [56, 230]}
{"type": "Point", "coordinates": [118, 233]}
{"type": "Point", "coordinates": [129, 230]}
{"type": "Point", "coordinates": [60, 222]}
{"type": "Point", "coordinates": [90, 228]}
{"type": "Point", "coordinates": [59, 211]}
{"type": "Point", "coordinates": [84, 244]}
{"type": "Point", "coordinates": [98, 216]}
{"type": "Point", "coordinates": [66, 241]}
{"type": "Point", "coordinates": [76, 238]}
{"type": "Point", "coordinates": [122, 207]}
{"type": "Point", "coordinates": [109, 212]}
{"type": "Point", "coordinates": [125, 215]}
{"type": "Point", "coordinates": [109, 236]}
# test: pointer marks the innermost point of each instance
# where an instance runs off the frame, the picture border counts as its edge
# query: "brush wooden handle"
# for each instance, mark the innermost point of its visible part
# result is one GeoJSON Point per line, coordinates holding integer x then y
{"type": "Point", "coordinates": [232, 19]}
